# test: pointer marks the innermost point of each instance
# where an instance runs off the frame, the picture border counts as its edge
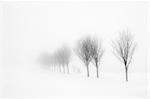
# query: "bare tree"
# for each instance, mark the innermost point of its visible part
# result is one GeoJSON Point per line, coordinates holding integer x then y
{"type": "Point", "coordinates": [97, 53]}
{"type": "Point", "coordinates": [83, 51]}
{"type": "Point", "coordinates": [124, 48]}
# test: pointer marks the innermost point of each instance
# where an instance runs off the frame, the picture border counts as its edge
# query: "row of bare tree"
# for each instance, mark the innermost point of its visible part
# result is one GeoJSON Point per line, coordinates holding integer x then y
{"type": "Point", "coordinates": [57, 61]}
{"type": "Point", "coordinates": [90, 50]}
{"type": "Point", "coordinates": [61, 58]}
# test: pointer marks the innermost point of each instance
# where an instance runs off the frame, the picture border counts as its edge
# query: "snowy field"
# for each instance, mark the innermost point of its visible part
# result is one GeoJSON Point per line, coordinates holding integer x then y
{"type": "Point", "coordinates": [37, 82]}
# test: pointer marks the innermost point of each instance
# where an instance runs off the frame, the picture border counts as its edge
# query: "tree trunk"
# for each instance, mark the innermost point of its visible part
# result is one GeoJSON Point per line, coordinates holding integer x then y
{"type": "Point", "coordinates": [97, 71]}
{"type": "Point", "coordinates": [59, 68]}
{"type": "Point", "coordinates": [64, 68]}
{"type": "Point", "coordinates": [68, 68]}
{"type": "Point", "coordinates": [126, 73]}
{"type": "Point", "coordinates": [87, 67]}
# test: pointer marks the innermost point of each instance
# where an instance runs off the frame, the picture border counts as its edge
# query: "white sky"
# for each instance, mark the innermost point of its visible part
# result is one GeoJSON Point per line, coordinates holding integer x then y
{"type": "Point", "coordinates": [30, 29]}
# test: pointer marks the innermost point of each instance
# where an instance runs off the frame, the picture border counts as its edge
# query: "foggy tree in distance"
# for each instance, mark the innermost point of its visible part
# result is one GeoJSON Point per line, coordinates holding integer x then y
{"type": "Point", "coordinates": [83, 51]}
{"type": "Point", "coordinates": [124, 48]}
{"type": "Point", "coordinates": [66, 56]}
{"type": "Point", "coordinates": [55, 61]}
{"type": "Point", "coordinates": [61, 58]}
{"type": "Point", "coordinates": [44, 59]}
{"type": "Point", "coordinates": [96, 53]}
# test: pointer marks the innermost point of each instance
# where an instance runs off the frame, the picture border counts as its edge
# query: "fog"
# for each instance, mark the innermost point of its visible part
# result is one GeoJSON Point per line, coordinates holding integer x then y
{"type": "Point", "coordinates": [32, 28]}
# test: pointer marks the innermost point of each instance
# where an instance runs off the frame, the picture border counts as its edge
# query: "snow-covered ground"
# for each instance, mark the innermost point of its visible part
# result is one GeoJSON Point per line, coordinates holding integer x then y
{"type": "Point", "coordinates": [38, 82]}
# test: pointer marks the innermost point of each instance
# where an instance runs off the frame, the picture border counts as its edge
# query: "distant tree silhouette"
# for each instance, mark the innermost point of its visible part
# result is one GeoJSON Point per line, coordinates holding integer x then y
{"type": "Point", "coordinates": [61, 58]}
{"type": "Point", "coordinates": [44, 59]}
{"type": "Point", "coordinates": [55, 61]}
{"type": "Point", "coordinates": [96, 53]}
{"type": "Point", "coordinates": [66, 52]}
{"type": "Point", "coordinates": [124, 48]}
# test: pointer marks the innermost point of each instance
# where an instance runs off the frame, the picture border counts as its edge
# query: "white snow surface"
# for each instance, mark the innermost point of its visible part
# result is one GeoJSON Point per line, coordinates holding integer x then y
{"type": "Point", "coordinates": [39, 82]}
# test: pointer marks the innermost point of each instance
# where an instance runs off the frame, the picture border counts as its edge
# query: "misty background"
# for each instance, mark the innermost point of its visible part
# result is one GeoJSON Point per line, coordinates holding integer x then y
{"type": "Point", "coordinates": [32, 28]}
